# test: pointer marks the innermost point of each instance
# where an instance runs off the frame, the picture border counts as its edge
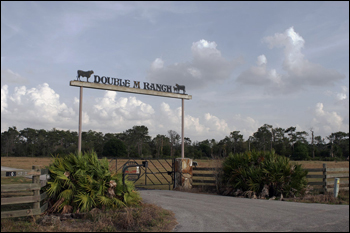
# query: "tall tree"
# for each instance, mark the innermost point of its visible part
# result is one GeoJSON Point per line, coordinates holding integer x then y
{"type": "Point", "coordinates": [339, 142]}
{"type": "Point", "coordinates": [141, 136]}
{"type": "Point", "coordinates": [42, 145]}
{"type": "Point", "coordinates": [312, 142]}
{"type": "Point", "coordinates": [127, 138]}
{"type": "Point", "coordinates": [212, 144]}
{"type": "Point", "coordinates": [226, 146]}
{"type": "Point", "coordinates": [174, 140]}
{"type": "Point", "coordinates": [300, 151]}
{"type": "Point", "coordinates": [331, 139]}
{"type": "Point", "coordinates": [236, 139]}
{"type": "Point", "coordinates": [205, 148]}
{"type": "Point", "coordinates": [292, 136]}
{"type": "Point", "coordinates": [281, 143]}
{"type": "Point", "coordinates": [159, 142]}
{"type": "Point", "coordinates": [9, 139]}
{"type": "Point", "coordinates": [263, 136]}
{"type": "Point", "coordinates": [92, 140]}
{"type": "Point", "coordinates": [114, 147]}
{"type": "Point", "coordinates": [29, 135]}
{"type": "Point", "coordinates": [301, 136]}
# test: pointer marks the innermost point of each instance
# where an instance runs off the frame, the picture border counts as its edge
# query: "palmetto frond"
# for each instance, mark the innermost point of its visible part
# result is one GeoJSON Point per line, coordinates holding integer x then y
{"type": "Point", "coordinates": [89, 179]}
{"type": "Point", "coordinates": [61, 177]}
{"type": "Point", "coordinates": [69, 166]}
{"type": "Point", "coordinates": [118, 203]}
{"type": "Point", "coordinates": [84, 182]}
{"type": "Point", "coordinates": [253, 170]}
{"type": "Point", "coordinates": [60, 164]}
{"type": "Point", "coordinates": [85, 201]}
{"type": "Point", "coordinates": [103, 200]}
{"type": "Point", "coordinates": [79, 173]}
{"type": "Point", "coordinates": [132, 198]}
{"type": "Point", "coordinates": [54, 188]}
{"type": "Point", "coordinates": [67, 194]}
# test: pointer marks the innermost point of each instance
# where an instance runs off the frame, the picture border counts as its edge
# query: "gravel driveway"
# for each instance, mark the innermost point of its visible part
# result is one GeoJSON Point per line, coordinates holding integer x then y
{"type": "Point", "coordinates": [206, 213]}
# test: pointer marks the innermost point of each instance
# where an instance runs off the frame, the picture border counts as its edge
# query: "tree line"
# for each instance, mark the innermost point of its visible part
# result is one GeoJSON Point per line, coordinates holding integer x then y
{"type": "Point", "coordinates": [136, 143]}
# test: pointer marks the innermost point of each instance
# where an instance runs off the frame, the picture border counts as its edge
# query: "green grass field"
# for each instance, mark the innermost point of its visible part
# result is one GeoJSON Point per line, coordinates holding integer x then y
{"type": "Point", "coordinates": [155, 181]}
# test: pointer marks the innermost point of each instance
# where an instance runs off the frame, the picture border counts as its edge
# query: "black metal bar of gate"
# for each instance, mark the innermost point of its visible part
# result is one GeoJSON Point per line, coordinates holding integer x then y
{"type": "Point", "coordinates": [154, 171]}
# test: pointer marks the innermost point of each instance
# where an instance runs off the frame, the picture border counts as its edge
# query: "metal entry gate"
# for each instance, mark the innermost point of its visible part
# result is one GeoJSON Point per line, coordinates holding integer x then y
{"type": "Point", "coordinates": [158, 173]}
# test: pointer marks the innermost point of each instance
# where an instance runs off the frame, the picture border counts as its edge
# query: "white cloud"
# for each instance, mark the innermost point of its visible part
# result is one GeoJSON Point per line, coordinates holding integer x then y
{"type": "Point", "coordinates": [157, 64]}
{"type": "Point", "coordinates": [203, 49]}
{"type": "Point", "coordinates": [261, 60]}
{"type": "Point", "coordinates": [207, 66]}
{"type": "Point", "coordinates": [8, 76]}
{"type": "Point", "coordinates": [207, 126]}
{"type": "Point", "coordinates": [193, 123]}
{"type": "Point", "coordinates": [299, 72]}
{"type": "Point", "coordinates": [46, 103]}
{"type": "Point", "coordinates": [216, 125]}
{"type": "Point", "coordinates": [41, 107]}
{"type": "Point", "coordinates": [260, 75]}
{"type": "Point", "coordinates": [169, 114]}
{"type": "Point", "coordinates": [341, 98]}
{"type": "Point", "coordinates": [118, 111]}
{"type": "Point", "coordinates": [194, 72]}
{"type": "Point", "coordinates": [292, 43]}
{"type": "Point", "coordinates": [343, 94]}
{"type": "Point", "coordinates": [325, 122]}
{"type": "Point", "coordinates": [194, 126]}
{"type": "Point", "coordinates": [19, 92]}
{"type": "Point", "coordinates": [38, 107]}
{"type": "Point", "coordinates": [245, 124]}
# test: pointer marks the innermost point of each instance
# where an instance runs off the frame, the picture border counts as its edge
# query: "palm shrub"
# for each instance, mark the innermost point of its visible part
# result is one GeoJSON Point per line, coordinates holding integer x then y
{"type": "Point", "coordinates": [256, 170]}
{"type": "Point", "coordinates": [82, 182]}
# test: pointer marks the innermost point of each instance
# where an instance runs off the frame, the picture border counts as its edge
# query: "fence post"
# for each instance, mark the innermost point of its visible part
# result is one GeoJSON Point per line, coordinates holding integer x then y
{"type": "Point", "coordinates": [325, 190]}
{"type": "Point", "coordinates": [336, 187]}
{"type": "Point", "coordinates": [36, 180]}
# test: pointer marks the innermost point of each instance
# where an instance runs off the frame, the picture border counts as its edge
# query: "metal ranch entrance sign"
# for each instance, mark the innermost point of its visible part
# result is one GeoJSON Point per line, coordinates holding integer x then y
{"type": "Point", "coordinates": [136, 84]}
{"type": "Point", "coordinates": [125, 85]}
{"type": "Point", "coordinates": [117, 84]}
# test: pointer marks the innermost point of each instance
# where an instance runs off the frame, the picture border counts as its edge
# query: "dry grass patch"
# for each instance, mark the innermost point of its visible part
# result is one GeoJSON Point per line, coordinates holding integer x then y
{"type": "Point", "coordinates": [319, 164]}
{"type": "Point", "coordinates": [328, 198]}
{"type": "Point", "coordinates": [28, 162]}
{"type": "Point", "coordinates": [147, 217]}
{"type": "Point", "coordinates": [25, 162]}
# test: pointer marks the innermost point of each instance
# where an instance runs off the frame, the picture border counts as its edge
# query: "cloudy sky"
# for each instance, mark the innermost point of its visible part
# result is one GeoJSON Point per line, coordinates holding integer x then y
{"type": "Point", "coordinates": [244, 63]}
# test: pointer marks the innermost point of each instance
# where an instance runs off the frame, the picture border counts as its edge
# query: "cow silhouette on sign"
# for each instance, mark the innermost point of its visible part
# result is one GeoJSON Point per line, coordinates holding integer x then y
{"type": "Point", "coordinates": [178, 87]}
{"type": "Point", "coordinates": [86, 74]}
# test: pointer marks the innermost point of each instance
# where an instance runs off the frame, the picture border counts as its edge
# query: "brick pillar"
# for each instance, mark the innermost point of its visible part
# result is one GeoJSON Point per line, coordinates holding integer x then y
{"type": "Point", "coordinates": [183, 174]}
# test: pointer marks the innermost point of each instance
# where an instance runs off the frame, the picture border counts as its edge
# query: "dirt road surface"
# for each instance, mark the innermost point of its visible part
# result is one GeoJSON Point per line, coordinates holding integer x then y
{"type": "Point", "coordinates": [206, 213]}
